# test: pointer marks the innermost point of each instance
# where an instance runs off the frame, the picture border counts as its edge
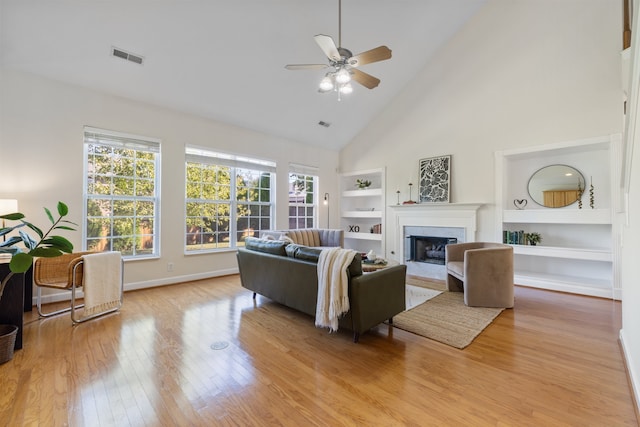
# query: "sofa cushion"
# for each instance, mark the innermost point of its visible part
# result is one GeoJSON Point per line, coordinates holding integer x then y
{"type": "Point", "coordinates": [275, 247]}
{"type": "Point", "coordinates": [456, 268]}
{"type": "Point", "coordinates": [305, 236]}
{"type": "Point", "coordinates": [306, 253]}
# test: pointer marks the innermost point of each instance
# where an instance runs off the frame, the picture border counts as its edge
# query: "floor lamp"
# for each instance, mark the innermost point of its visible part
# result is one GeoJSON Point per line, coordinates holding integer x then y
{"type": "Point", "coordinates": [326, 203]}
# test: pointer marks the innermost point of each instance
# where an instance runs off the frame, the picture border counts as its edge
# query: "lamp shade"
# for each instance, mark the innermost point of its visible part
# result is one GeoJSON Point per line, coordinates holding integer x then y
{"type": "Point", "coordinates": [8, 206]}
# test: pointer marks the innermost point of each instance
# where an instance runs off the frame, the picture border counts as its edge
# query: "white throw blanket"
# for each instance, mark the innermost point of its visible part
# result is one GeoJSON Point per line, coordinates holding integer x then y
{"type": "Point", "coordinates": [102, 282]}
{"type": "Point", "coordinates": [333, 290]}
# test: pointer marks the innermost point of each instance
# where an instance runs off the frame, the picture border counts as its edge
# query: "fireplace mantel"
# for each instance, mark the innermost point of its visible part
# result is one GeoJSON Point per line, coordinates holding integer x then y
{"type": "Point", "coordinates": [438, 206]}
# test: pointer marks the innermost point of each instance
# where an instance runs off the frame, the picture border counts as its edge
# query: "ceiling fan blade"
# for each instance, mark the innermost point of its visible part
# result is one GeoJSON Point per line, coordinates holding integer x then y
{"type": "Point", "coordinates": [328, 46]}
{"type": "Point", "coordinates": [305, 66]}
{"type": "Point", "coordinates": [380, 53]}
{"type": "Point", "coordinates": [366, 80]}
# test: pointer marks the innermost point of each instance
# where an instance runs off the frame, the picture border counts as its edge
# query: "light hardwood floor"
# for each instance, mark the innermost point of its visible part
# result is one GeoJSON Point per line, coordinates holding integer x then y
{"type": "Point", "coordinates": [554, 360]}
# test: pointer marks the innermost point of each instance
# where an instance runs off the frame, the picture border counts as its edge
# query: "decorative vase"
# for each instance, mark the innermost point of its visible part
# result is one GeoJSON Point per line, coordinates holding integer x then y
{"type": "Point", "coordinates": [7, 342]}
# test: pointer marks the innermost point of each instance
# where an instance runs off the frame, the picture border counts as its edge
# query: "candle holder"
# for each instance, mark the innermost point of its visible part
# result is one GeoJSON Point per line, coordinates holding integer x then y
{"type": "Point", "coordinates": [410, 201]}
{"type": "Point", "coordinates": [398, 194]}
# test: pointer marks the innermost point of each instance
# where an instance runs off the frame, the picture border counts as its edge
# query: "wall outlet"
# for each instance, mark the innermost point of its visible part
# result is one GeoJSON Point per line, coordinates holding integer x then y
{"type": "Point", "coordinates": [169, 266]}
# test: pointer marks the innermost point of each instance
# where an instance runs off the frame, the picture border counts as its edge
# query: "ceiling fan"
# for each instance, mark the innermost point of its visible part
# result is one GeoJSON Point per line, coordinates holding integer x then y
{"type": "Point", "coordinates": [344, 63]}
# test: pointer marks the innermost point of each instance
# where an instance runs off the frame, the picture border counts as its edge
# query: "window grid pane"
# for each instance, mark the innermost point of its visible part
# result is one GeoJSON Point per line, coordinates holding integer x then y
{"type": "Point", "coordinates": [225, 204]}
{"type": "Point", "coordinates": [121, 200]}
{"type": "Point", "coordinates": [302, 201]}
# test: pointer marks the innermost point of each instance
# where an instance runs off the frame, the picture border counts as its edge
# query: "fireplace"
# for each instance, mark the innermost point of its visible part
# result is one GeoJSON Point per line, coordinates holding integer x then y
{"type": "Point", "coordinates": [429, 249]}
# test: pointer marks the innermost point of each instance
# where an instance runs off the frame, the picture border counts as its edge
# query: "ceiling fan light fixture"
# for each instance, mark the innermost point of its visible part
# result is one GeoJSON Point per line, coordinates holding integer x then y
{"type": "Point", "coordinates": [343, 76]}
{"type": "Point", "coordinates": [346, 89]}
{"type": "Point", "coordinates": [326, 84]}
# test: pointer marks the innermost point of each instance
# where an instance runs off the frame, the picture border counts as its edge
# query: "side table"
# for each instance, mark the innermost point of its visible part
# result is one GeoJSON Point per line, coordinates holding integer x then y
{"type": "Point", "coordinates": [371, 267]}
{"type": "Point", "coordinates": [12, 303]}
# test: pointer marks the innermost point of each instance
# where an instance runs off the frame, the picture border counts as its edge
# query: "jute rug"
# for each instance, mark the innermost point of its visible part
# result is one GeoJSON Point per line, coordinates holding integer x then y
{"type": "Point", "coordinates": [445, 318]}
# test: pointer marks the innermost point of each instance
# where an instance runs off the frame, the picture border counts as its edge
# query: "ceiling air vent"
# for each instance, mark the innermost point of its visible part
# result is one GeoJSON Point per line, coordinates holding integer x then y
{"type": "Point", "coordinates": [119, 53]}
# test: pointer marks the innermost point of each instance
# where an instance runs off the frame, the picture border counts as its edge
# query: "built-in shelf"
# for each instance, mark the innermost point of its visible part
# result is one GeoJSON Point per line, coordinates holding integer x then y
{"type": "Point", "coordinates": [363, 236]}
{"type": "Point", "coordinates": [579, 252]}
{"type": "Point", "coordinates": [558, 216]}
{"type": "Point", "coordinates": [363, 193]}
{"type": "Point", "coordinates": [564, 283]}
{"type": "Point", "coordinates": [362, 214]}
{"type": "Point", "coordinates": [603, 255]}
{"type": "Point", "coordinates": [363, 210]}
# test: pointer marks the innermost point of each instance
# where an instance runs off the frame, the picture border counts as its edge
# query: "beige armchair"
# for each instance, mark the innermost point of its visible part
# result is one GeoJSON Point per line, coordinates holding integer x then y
{"type": "Point", "coordinates": [483, 271]}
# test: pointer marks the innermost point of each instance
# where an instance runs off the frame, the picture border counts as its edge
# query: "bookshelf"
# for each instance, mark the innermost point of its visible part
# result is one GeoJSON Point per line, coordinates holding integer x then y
{"type": "Point", "coordinates": [363, 210]}
{"type": "Point", "coordinates": [579, 252]}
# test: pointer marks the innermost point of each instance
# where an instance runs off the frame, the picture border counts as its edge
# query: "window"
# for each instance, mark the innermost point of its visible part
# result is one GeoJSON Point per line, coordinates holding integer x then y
{"type": "Point", "coordinates": [228, 198]}
{"type": "Point", "coordinates": [121, 193]}
{"type": "Point", "coordinates": [302, 196]}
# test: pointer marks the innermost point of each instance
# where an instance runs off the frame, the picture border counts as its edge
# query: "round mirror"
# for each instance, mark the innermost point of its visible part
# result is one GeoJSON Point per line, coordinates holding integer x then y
{"type": "Point", "coordinates": [556, 186]}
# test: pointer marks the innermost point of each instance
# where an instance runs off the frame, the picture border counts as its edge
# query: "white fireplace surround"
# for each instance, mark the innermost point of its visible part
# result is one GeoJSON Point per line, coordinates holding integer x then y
{"type": "Point", "coordinates": [451, 215]}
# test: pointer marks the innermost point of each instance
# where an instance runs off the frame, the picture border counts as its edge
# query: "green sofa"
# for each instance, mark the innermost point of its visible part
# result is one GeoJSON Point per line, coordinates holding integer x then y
{"type": "Point", "coordinates": [287, 273]}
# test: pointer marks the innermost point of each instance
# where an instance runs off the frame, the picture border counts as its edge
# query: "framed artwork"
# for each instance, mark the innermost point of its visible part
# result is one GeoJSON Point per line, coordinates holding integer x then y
{"type": "Point", "coordinates": [435, 179]}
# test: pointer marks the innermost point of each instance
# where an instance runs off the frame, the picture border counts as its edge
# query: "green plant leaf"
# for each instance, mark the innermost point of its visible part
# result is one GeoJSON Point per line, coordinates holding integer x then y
{"type": "Point", "coordinates": [12, 216]}
{"type": "Point", "coordinates": [64, 227]}
{"type": "Point", "coordinates": [20, 262]}
{"type": "Point", "coordinates": [58, 242]}
{"type": "Point", "coordinates": [34, 228]}
{"type": "Point", "coordinates": [45, 252]}
{"type": "Point", "coordinates": [63, 210]}
{"type": "Point", "coordinates": [50, 216]}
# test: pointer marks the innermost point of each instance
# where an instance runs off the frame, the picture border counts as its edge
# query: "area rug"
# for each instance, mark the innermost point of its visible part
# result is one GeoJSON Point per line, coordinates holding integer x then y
{"type": "Point", "coordinates": [416, 295]}
{"type": "Point", "coordinates": [445, 318]}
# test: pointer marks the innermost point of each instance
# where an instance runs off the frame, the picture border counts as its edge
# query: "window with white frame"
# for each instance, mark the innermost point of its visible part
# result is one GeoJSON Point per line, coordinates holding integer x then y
{"type": "Point", "coordinates": [121, 193]}
{"type": "Point", "coordinates": [227, 198]}
{"type": "Point", "coordinates": [303, 196]}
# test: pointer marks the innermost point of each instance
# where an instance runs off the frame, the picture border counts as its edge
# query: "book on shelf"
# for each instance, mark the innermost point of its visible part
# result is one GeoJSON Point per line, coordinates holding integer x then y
{"type": "Point", "coordinates": [518, 237]}
{"type": "Point", "coordinates": [376, 229]}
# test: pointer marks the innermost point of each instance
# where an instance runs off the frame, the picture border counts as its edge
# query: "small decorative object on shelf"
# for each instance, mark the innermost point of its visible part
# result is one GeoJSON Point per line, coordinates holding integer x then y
{"type": "Point", "coordinates": [533, 238]}
{"type": "Point", "coordinates": [520, 203]}
{"type": "Point", "coordinates": [363, 183]}
{"type": "Point", "coordinates": [580, 193]}
{"type": "Point", "coordinates": [398, 193]}
{"type": "Point", "coordinates": [591, 198]}
{"type": "Point", "coordinates": [410, 201]}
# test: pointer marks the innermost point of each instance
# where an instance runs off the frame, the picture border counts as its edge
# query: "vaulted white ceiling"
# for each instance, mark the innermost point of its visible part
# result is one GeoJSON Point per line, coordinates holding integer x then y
{"type": "Point", "coordinates": [225, 60]}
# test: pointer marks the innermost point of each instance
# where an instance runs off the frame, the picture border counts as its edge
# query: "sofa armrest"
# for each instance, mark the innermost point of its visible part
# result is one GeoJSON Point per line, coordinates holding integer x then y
{"type": "Point", "coordinates": [376, 297]}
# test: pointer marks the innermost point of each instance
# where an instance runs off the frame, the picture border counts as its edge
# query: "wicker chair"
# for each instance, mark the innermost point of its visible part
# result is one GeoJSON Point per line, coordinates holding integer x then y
{"type": "Point", "coordinates": [66, 272]}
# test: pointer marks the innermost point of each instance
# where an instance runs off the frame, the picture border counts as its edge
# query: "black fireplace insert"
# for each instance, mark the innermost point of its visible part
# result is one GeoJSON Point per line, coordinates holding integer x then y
{"type": "Point", "coordinates": [429, 249]}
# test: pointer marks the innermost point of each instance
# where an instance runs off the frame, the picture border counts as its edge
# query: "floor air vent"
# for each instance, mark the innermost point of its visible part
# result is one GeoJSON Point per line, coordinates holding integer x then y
{"type": "Point", "coordinates": [119, 53]}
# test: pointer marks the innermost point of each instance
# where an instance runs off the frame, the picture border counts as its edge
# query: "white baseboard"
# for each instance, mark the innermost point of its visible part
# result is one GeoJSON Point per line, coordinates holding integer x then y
{"type": "Point", "coordinates": [634, 379]}
{"type": "Point", "coordinates": [66, 296]}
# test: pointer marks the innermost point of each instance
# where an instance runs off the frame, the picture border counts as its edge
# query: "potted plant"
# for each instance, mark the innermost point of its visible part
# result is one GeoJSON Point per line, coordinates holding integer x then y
{"type": "Point", "coordinates": [45, 245]}
{"type": "Point", "coordinates": [363, 183]}
{"type": "Point", "coordinates": [533, 238]}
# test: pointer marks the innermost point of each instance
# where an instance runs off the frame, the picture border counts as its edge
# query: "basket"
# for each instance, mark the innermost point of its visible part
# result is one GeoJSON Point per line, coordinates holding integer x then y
{"type": "Point", "coordinates": [7, 342]}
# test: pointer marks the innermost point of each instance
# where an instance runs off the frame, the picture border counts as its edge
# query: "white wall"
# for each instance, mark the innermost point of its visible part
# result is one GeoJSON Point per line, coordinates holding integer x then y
{"type": "Point", "coordinates": [630, 272]}
{"type": "Point", "coordinates": [41, 145]}
{"type": "Point", "coordinates": [521, 73]}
